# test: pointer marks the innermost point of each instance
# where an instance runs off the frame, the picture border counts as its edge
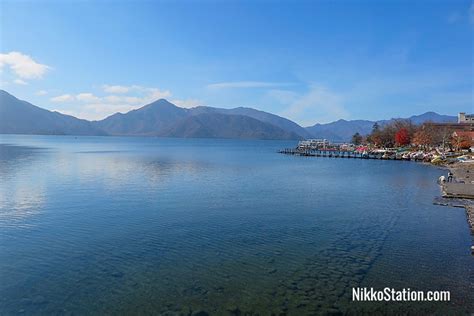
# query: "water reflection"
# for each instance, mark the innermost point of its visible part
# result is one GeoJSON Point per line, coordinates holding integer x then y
{"type": "Point", "coordinates": [19, 203]}
{"type": "Point", "coordinates": [177, 227]}
{"type": "Point", "coordinates": [21, 198]}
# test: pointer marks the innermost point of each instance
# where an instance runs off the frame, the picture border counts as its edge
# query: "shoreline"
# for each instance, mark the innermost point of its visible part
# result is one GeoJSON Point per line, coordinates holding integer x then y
{"type": "Point", "coordinates": [461, 191]}
{"type": "Point", "coordinates": [462, 185]}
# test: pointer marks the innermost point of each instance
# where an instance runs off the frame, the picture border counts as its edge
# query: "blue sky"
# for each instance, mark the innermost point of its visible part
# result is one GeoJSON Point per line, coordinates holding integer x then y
{"type": "Point", "coordinates": [310, 61]}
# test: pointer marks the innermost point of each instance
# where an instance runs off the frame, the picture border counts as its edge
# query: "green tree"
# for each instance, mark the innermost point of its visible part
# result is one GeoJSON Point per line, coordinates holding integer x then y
{"type": "Point", "coordinates": [375, 128]}
{"type": "Point", "coordinates": [357, 139]}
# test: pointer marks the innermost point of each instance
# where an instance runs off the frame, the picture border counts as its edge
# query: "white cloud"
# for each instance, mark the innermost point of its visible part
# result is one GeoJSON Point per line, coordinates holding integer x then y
{"type": "Point", "coordinates": [319, 104]}
{"type": "Point", "coordinates": [42, 92]}
{"type": "Point", "coordinates": [62, 98]}
{"type": "Point", "coordinates": [87, 97]}
{"type": "Point", "coordinates": [20, 82]}
{"type": "Point", "coordinates": [155, 94]}
{"type": "Point", "coordinates": [23, 65]}
{"type": "Point", "coordinates": [471, 13]}
{"type": "Point", "coordinates": [247, 84]}
{"type": "Point", "coordinates": [90, 106]}
{"type": "Point", "coordinates": [133, 100]}
{"type": "Point", "coordinates": [98, 111]}
{"type": "Point", "coordinates": [187, 103]}
{"type": "Point", "coordinates": [112, 99]}
{"type": "Point", "coordinates": [151, 93]}
{"type": "Point", "coordinates": [115, 89]}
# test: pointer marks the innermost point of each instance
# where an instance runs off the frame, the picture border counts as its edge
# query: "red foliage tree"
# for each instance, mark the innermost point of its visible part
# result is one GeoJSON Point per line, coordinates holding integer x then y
{"type": "Point", "coordinates": [402, 137]}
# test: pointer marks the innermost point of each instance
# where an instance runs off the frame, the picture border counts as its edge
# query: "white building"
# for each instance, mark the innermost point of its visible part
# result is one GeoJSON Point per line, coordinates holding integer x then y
{"type": "Point", "coordinates": [314, 143]}
{"type": "Point", "coordinates": [465, 118]}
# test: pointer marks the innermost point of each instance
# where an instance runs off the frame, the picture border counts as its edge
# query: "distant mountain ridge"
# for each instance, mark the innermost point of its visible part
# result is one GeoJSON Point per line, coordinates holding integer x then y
{"type": "Point", "coordinates": [159, 118]}
{"type": "Point", "coordinates": [162, 118]}
{"type": "Point", "coordinates": [150, 120]}
{"type": "Point", "coordinates": [218, 125]}
{"type": "Point", "coordinates": [21, 117]}
{"type": "Point", "coordinates": [266, 117]}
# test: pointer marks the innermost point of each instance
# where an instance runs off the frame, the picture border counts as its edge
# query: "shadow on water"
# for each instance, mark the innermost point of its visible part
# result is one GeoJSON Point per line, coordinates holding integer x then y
{"type": "Point", "coordinates": [12, 155]}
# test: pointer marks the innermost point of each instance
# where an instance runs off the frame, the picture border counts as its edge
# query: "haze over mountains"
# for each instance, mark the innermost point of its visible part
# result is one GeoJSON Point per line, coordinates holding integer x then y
{"type": "Point", "coordinates": [162, 118]}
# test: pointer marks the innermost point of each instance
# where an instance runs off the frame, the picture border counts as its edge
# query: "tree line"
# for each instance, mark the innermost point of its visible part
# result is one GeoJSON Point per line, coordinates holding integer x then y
{"type": "Point", "coordinates": [403, 133]}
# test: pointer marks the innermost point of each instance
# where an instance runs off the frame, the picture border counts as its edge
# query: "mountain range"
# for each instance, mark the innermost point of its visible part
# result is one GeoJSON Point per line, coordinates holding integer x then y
{"type": "Point", "coordinates": [162, 118]}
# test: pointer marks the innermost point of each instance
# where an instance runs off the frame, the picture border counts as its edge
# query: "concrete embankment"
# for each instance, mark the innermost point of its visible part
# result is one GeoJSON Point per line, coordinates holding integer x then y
{"type": "Point", "coordinates": [462, 187]}
{"type": "Point", "coordinates": [458, 190]}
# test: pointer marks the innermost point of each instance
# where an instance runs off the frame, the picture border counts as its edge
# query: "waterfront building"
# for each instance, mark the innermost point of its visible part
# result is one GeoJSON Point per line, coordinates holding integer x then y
{"type": "Point", "coordinates": [465, 118]}
{"type": "Point", "coordinates": [314, 143]}
{"type": "Point", "coordinates": [465, 123]}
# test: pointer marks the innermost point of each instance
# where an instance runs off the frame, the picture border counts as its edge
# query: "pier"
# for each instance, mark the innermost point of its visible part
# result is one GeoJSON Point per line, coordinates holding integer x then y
{"type": "Point", "coordinates": [345, 154]}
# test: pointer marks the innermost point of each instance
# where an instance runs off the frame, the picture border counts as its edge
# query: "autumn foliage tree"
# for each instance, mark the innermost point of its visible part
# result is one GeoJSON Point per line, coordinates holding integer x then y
{"type": "Point", "coordinates": [461, 142]}
{"type": "Point", "coordinates": [397, 132]}
{"type": "Point", "coordinates": [465, 143]}
{"type": "Point", "coordinates": [403, 132]}
{"type": "Point", "coordinates": [422, 138]}
{"type": "Point", "coordinates": [402, 137]}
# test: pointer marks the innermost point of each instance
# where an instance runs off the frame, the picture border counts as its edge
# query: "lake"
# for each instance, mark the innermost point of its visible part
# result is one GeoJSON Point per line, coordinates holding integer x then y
{"type": "Point", "coordinates": [112, 225]}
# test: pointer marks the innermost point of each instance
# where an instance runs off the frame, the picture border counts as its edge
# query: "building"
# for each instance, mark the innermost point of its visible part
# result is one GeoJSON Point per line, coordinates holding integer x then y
{"type": "Point", "coordinates": [314, 143]}
{"type": "Point", "coordinates": [465, 123]}
{"type": "Point", "coordinates": [465, 118]}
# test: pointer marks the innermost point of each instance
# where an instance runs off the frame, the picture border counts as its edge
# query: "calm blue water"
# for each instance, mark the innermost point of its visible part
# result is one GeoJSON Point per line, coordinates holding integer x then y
{"type": "Point", "coordinates": [109, 225]}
